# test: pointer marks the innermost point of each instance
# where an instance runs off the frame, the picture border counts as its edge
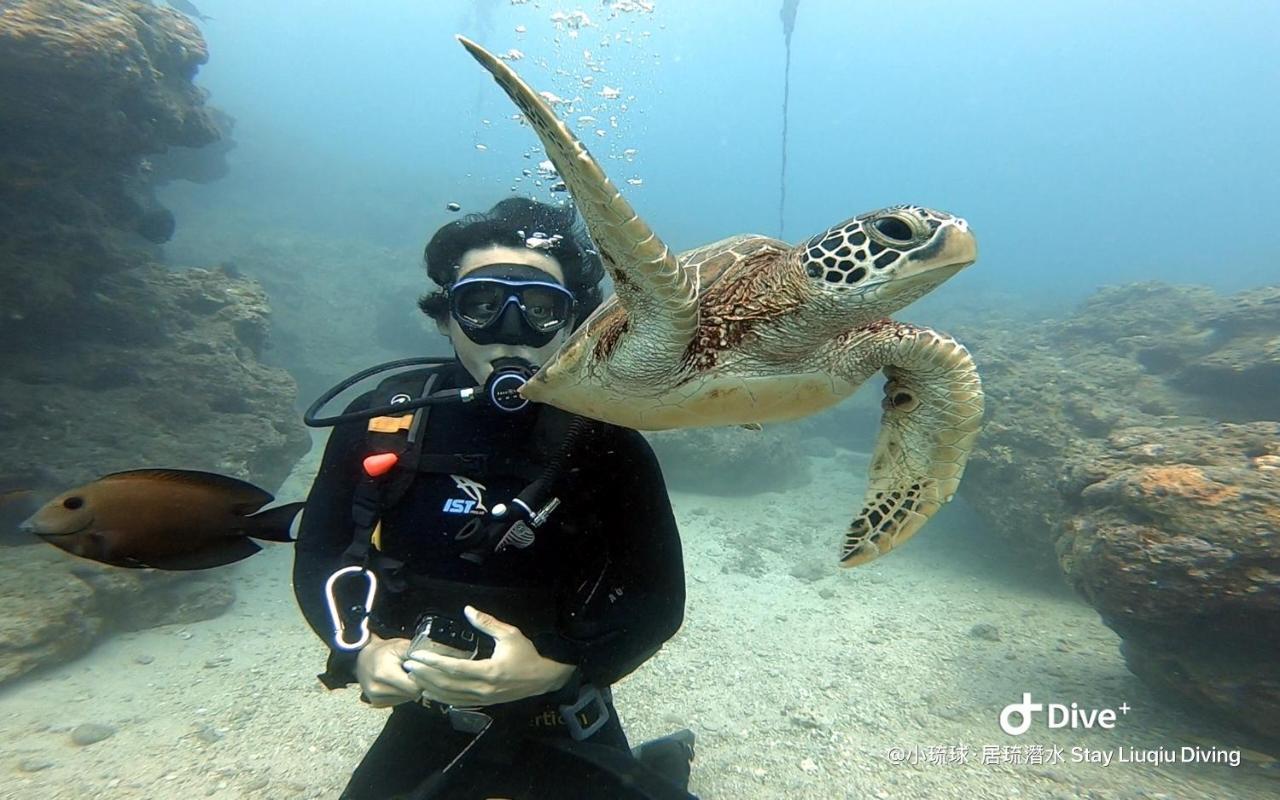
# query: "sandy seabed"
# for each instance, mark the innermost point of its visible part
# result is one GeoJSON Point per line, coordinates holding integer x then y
{"type": "Point", "coordinates": [833, 684]}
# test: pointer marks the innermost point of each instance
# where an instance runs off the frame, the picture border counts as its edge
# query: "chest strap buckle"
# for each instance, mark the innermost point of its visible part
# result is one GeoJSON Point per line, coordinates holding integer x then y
{"type": "Point", "coordinates": [588, 713]}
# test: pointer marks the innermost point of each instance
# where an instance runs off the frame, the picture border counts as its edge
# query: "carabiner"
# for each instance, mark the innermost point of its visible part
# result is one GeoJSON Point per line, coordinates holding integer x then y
{"type": "Point", "coordinates": [339, 630]}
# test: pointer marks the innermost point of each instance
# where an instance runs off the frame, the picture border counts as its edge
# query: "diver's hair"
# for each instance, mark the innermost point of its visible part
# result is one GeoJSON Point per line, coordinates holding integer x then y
{"type": "Point", "coordinates": [509, 224]}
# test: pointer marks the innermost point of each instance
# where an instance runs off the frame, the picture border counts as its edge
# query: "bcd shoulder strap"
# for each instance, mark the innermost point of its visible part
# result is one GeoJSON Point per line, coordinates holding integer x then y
{"type": "Point", "coordinates": [403, 437]}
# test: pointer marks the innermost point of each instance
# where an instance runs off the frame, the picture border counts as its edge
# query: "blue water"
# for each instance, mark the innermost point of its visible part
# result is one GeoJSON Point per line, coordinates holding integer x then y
{"type": "Point", "coordinates": [1087, 142]}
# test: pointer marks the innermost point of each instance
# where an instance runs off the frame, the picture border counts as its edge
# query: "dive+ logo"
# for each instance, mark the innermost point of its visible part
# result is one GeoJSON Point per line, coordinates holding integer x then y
{"type": "Point", "coordinates": [473, 503]}
{"type": "Point", "coordinates": [1060, 716]}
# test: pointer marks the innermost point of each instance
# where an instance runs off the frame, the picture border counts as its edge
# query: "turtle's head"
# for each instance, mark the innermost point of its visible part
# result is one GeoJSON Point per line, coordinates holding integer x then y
{"type": "Point", "coordinates": [884, 260]}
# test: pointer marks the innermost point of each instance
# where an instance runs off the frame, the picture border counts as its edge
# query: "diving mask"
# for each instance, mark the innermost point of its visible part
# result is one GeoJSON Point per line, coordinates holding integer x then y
{"type": "Point", "coordinates": [510, 304]}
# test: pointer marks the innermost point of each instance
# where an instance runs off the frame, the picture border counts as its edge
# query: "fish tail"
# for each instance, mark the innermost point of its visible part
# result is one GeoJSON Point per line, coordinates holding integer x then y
{"type": "Point", "coordinates": [273, 524]}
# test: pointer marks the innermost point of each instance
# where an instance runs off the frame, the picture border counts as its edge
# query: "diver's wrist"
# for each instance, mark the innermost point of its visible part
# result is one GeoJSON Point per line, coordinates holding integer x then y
{"type": "Point", "coordinates": [558, 675]}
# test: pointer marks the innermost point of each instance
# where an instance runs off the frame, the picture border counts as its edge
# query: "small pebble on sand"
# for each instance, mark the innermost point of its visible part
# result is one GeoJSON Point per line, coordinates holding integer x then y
{"type": "Point", "coordinates": [34, 764]}
{"type": "Point", "coordinates": [91, 732]}
{"type": "Point", "coordinates": [986, 631]}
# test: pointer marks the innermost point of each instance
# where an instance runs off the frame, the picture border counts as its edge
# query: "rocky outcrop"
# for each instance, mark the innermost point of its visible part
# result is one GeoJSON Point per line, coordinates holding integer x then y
{"type": "Point", "coordinates": [204, 164]}
{"type": "Point", "coordinates": [154, 368]}
{"type": "Point", "coordinates": [89, 89]}
{"type": "Point", "coordinates": [111, 361]}
{"type": "Point", "coordinates": [1174, 537]}
{"type": "Point", "coordinates": [1136, 445]}
{"type": "Point", "coordinates": [312, 278]}
{"type": "Point", "coordinates": [117, 76]}
{"type": "Point", "coordinates": [58, 607]}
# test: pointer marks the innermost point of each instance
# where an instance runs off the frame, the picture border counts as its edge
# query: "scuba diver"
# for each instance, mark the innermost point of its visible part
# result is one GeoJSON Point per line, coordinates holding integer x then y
{"type": "Point", "coordinates": [486, 566]}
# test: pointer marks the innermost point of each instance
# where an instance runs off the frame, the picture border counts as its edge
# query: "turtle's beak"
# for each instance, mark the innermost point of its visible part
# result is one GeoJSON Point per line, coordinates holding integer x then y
{"type": "Point", "coordinates": [959, 247]}
{"type": "Point", "coordinates": [953, 248]}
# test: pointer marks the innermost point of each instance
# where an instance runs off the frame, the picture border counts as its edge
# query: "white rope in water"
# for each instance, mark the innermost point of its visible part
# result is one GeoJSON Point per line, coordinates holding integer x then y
{"type": "Point", "coordinates": [788, 16]}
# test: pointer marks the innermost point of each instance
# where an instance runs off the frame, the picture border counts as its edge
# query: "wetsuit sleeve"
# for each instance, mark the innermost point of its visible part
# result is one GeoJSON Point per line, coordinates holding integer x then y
{"type": "Point", "coordinates": [325, 533]}
{"type": "Point", "coordinates": [634, 602]}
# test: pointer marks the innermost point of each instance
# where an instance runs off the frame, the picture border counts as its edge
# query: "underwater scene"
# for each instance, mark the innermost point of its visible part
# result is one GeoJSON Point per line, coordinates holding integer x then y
{"type": "Point", "coordinates": [524, 399]}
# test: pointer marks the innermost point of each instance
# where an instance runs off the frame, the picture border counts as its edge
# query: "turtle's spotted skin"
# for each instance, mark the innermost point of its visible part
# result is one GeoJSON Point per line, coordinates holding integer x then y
{"type": "Point", "coordinates": [751, 329]}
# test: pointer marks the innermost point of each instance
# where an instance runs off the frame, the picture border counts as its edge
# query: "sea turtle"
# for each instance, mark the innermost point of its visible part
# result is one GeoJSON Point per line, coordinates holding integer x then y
{"type": "Point", "coordinates": [751, 329]}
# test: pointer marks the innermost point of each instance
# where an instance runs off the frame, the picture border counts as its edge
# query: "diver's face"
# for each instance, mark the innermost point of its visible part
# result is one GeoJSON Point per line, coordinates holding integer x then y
{"type": "Point", "coordinates": [478, 358]}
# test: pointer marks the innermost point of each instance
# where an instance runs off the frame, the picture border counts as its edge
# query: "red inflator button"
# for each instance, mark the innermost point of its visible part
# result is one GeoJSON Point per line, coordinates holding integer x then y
{"type": "Point", "coordinates": [380, 463]}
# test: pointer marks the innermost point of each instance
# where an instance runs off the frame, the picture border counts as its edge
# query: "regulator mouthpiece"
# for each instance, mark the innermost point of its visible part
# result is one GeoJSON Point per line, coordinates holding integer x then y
{"type": "Point", "coordinates": [503, 386]}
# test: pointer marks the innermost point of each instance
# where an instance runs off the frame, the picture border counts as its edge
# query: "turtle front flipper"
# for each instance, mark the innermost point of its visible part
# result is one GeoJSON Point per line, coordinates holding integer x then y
{"type": "Point", "coordinates": [649, 282]}
{"type": "Point", "coordinates": [932, 414]}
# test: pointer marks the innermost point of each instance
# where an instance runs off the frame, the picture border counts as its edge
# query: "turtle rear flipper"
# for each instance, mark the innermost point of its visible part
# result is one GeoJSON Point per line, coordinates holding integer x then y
{"type": "Point", "coordinates": [932, 412]}
{"type": "Point", "coordinates": [649, 282]}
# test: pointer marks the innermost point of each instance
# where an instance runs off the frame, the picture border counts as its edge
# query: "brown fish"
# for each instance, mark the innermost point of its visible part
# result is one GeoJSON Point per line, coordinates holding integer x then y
{"type": "Point", "coordinates": [162, 518]}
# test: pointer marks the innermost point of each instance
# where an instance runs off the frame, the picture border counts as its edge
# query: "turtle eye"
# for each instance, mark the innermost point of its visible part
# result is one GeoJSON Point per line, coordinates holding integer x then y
{"type": "Point", "coordinates": [895, 229]}
{"type": "Point", "coordinates": [73, 503]}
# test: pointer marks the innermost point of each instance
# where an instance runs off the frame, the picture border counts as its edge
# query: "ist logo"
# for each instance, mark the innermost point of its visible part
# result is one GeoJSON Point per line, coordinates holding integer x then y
{"type": "Point", "coordinates": [473, 503]}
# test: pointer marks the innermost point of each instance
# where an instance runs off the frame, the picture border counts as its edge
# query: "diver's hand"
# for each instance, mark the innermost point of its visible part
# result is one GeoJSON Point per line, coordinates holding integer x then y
{"type": "Point", "coordinates": [381, 674]}
{"type": "Point", "coordinates": [516, 669]}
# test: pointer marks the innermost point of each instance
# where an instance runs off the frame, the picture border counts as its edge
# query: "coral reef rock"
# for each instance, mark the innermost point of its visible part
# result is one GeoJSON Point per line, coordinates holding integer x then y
{"type": "Point", "coordinates": [370, 314]}
{"type": "Point", "coordinates": [204, 164]}
{"type": "Point", "coordinates": [154, 368]}
{"type": "Point", "coordinates": [110, 360]}
{"type": "Point", "coordinates": [89, 88]}
{"type": "Point", "coordinates": [1136, 444]}
{"type": "Point", "coordinates": [1175, 540]}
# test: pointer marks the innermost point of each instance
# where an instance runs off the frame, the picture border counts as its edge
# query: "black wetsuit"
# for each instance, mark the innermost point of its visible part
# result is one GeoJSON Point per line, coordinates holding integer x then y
{"type": "Point", "coordinates": [600, 587]}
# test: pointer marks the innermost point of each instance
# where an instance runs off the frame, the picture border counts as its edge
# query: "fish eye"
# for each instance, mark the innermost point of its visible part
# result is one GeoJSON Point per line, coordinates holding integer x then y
{"type": "Point", "coordinates": [73, 503]}
{"type": "Point", "coordinates": [894, 228]}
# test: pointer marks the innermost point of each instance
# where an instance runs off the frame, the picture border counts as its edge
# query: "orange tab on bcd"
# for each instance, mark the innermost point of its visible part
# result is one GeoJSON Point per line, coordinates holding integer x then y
{"type": "Point", "coordinates": [380, 463]}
